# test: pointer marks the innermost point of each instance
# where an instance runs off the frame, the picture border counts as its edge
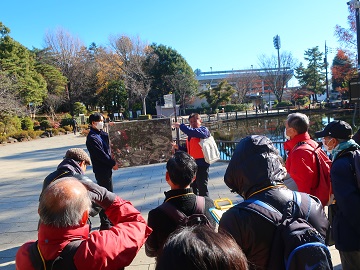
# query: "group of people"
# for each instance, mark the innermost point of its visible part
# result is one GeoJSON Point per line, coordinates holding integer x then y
{"type": "Point", "coordinates": [242, 240]}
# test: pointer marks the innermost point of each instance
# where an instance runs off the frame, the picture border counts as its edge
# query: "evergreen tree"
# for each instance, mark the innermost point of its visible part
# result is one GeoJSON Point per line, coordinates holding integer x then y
{"type": "Point", "coordinates": [312, 77]}
{"type": "Point", "coordinates": [218, 95]}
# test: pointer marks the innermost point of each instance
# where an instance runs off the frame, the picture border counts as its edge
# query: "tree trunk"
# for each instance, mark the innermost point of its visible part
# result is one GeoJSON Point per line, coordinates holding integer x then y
{"type": "Point", "coordinates": [144, 105]}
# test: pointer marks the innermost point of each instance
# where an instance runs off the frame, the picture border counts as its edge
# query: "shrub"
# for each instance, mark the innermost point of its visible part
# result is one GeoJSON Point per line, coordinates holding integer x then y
{"type": "Point", "coordinates": [55, 132]}
{"type": "Point", "coordinates": [32, 134]}
{"type": "Point", "coordinates": [79, 108]}
{"type": "Point", "coordinates": [66, 120]}
{"type": "Point", "coordinates": [2, 139]}
{"type": "Point", "coordinates": [10, 124]}
{"type": "Point", "coordinates": [67, 128]}
{"type": "Point", "coordinates": [285, 103]}
{"type": "Point", "coordinates": [45, 124]}
{"type": "Point", "coordinates": [27, 123]}
{"type": "Point", "coordinates": [62, 130]}
{"type": "Point", "coordinates": [21, 135]}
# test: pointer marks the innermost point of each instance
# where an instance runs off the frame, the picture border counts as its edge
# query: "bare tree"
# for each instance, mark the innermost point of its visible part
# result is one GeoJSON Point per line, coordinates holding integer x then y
{"type": "Point", "coordinates": [244, 83]}
{"type": "Point", "coordinates": [136, 59]}
{"type": "Point", "coordinates": [10, 103]}
{"type": "Point", "coordinates": [181, 84]}
{"type": "Point", "coordinates": [74, 61]}
{"type": "Point", "coordinates": [276, 77]}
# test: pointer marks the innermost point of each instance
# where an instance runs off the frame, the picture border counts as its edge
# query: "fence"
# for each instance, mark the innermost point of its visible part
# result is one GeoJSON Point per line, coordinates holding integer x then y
{"type": "Point", "coordinates": [227, 148]}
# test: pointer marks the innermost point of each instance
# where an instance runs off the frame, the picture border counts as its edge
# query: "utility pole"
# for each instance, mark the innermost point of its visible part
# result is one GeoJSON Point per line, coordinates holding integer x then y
{"type": "Point", "coordinates": [356, 5]}
{"type": "Point", "coordinates": [326, 75]}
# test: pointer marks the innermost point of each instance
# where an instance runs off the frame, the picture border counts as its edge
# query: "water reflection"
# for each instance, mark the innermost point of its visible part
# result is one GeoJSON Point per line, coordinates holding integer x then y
{"type": "Point", "coordinates": [231, 132]}
{"type": "Point", "coordinates": [272, 127]}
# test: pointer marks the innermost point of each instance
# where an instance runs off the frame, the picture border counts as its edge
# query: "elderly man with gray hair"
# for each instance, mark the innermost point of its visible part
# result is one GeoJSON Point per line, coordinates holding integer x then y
{"type": "Point", "coordinates": [63, 209]}
{"type": "Point", "coordinates": [301, 162]}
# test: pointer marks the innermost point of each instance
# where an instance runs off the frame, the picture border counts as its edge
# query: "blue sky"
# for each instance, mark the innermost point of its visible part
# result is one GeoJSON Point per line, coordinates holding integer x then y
{"type": "Point", "coordinates": [224, 35]}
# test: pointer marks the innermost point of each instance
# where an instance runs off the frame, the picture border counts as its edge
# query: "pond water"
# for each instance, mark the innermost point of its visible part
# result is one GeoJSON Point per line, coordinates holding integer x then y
{"type": "Point", "coordinates": [228, 133]}
{"type": "Point", "coordinates": [273, 127]}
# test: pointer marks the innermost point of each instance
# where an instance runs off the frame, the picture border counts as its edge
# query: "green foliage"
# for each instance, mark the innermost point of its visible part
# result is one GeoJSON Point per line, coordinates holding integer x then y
{"type": "Point", "coordinates": [114, 96]}
{"type": "Point", "coordinates": [18, 61]}
{"type": "Point", "coordinates": [10, 124]}
{"type": "Point", "coordinates": [171, 73]}
{"type": "Point", "coordinates": [66, 120]}
{"type": "Point", "coordinates": [235, 107]}
{"type": "Point", "coordinates": [27, 123]}
{"type": "Point", "coordinates": [218, 95]}
{"type": "Point", "coordinates": [79, 108]}
{"type": "Point", "coordinates": [284, 103]}
{"type": "Point", "coordinates": [312, 77]}
{"type": "Point", "coordinates": [303, 101]}
{"type": "Point", "coordinates": [20, 135]}
{"type": "Point", "coordinates": [67, 128]}
{"type": "Point", "coordinates": [45, 124]}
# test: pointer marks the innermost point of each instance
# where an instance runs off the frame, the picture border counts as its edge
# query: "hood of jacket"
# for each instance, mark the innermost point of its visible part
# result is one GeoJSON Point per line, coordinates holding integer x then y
{"type": "Point", "coordinates": [255, 164]}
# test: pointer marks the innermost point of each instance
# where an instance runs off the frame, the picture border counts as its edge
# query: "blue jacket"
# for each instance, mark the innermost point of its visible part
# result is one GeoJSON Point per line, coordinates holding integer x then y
{"type": "Point", "coordinates": [346, 224]}
{"type": "Point", "coordinates": [202, 132]}
{"type": "Point", "coordinates": [98, 145]}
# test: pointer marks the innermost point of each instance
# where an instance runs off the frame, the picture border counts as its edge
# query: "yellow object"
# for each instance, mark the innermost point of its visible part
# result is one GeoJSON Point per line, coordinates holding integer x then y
{"type": "Point", "coordinates": [220, 208]}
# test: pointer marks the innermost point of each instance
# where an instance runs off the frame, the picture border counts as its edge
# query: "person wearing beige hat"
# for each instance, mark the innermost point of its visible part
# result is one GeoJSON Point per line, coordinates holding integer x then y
{"type": "Point", "coordinates": [74, 164]}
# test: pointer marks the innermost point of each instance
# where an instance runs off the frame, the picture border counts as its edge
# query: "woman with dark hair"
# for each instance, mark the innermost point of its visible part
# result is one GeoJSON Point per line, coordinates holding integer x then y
{"type": "Point", "coordinates": [201, 248]}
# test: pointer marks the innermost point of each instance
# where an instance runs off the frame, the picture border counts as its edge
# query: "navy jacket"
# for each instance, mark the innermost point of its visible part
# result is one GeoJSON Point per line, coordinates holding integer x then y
{"type": "Point", "coordinates": [346, 223]}
{"type": "Point", "coordinates": [98, 145]}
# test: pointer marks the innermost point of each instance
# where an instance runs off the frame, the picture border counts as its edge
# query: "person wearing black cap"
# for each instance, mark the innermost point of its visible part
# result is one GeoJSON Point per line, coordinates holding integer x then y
{"type": "Point", "coordinates": [337, 140]}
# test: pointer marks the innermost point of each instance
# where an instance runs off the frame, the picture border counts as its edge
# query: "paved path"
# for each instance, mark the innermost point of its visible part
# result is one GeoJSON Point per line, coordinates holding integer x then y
{"type": "Point", "coordinates": [25, 165]}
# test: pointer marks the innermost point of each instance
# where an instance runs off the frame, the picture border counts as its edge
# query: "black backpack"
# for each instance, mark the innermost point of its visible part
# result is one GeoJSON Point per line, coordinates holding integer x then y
{"type": "Point", "coordinates": [197, 218]}
{"type": "Point", "coordinates": [64, 261]}
{"type": "Point", "coordinates": [296, 243]}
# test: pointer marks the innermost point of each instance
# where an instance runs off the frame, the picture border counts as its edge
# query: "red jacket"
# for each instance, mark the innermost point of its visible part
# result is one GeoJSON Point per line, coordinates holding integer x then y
{"type": "Point", "coordinates": [301, 162]}
{"type": "Point", "coordinates": [109, 249]}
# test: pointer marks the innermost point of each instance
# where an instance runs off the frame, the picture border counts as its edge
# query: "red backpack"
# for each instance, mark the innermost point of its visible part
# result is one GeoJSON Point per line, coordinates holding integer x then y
{"type": "Point", "coordinates": [323, 190]}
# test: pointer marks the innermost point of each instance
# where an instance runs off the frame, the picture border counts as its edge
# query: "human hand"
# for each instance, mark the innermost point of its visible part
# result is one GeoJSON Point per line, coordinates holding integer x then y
{"type": "Point", "coordinates": [98, 194]}
{"type": "Point", "coordinates": [176, 124]}
{"type": "Point", "coordinates": [174, 147]}
{"type": "Point", "coordinates": [116, 167]}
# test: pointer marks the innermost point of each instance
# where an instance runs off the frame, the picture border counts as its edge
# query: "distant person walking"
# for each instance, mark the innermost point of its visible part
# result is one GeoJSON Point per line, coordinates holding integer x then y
{"type": "Point", "coordinates": [74, 125]}
{"type": "Point", "coordinates": [98, 145]}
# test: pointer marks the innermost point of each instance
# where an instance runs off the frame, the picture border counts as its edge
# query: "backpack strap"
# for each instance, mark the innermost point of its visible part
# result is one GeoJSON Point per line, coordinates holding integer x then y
{"type": "Point", "coordinates": [272, 214]}
{"type": "Point", "coordinates": [171, 211]}
{"type": "Point", "coordinates": [64, 261]}
{"type": "Point", "coordinates": [178, 216]}
{"type": "Point", "coordinates": [200, 205]}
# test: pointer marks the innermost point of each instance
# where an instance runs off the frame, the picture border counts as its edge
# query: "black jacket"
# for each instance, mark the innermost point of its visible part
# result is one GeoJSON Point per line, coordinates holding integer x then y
{"type": "Point", "coordinates": [256, 171]}
{"type": "Point", "coordinates": [162, 225]}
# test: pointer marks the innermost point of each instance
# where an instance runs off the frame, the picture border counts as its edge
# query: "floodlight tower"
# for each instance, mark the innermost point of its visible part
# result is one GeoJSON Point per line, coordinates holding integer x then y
{"type": "Point", "coordinates": [277, 46]}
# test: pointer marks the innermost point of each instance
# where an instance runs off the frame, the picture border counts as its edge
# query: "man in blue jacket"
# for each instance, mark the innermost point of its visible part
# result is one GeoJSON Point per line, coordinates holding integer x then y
{"type": "Point", "coordinates": [98, 145]}
{"type": "Point", "coordinates": [195, 132]}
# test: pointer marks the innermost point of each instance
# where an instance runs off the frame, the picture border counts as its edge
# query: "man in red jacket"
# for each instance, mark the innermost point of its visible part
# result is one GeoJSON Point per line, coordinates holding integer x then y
{"type": "Point", "coordinates": [64, 208]}
{"type": "Point", "coordinates": [301, 161]}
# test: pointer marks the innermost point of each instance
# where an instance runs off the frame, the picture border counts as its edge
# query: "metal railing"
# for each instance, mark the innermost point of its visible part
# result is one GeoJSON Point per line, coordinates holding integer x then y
{"type": "Point", "coordinates": [227, 148]}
